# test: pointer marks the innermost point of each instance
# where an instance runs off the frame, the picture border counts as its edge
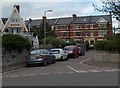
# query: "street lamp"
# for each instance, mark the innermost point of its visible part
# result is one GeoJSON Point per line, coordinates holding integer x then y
{"type": "Point", "coordinates": [44, 18]}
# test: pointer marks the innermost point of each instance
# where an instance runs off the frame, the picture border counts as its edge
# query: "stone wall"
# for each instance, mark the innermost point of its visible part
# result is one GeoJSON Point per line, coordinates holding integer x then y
{"type": "Point", "coordinates": [13, 60]}
{"type": "Point", "coordinates": [104, 56]}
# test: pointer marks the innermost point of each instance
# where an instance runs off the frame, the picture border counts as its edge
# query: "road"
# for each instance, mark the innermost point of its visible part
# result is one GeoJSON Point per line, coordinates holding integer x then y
{"type": "Point", "coordinates": [63, 73]}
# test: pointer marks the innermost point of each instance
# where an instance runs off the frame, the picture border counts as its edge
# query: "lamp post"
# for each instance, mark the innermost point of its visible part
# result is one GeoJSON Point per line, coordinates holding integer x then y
{"type": "Point", "coordinates": [44, 18]}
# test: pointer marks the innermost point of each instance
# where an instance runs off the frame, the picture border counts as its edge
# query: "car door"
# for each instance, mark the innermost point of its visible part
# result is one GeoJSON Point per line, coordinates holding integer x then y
{"type": "Point", "coordinates": [48, 56]}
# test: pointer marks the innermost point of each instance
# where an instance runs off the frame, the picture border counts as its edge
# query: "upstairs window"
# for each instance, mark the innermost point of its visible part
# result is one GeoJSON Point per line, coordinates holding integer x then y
{"type": "Point", "coordinates": [78, 34]}
{"type": "Point", "coordinates": [14, 20]}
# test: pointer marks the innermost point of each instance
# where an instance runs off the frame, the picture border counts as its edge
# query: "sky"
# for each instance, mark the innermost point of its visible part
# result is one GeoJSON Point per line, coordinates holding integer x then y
{"type": "Point", "coordinates": [35, 9]}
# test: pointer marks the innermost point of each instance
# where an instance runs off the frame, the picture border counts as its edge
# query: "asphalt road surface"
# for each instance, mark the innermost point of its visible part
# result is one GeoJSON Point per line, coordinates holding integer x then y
{"type": "Point", "coordinates": [63, 73]}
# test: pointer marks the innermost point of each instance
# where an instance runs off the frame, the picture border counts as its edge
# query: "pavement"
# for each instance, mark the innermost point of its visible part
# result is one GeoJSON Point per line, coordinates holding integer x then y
{"type": "Point", "coordinates": [92, 61]}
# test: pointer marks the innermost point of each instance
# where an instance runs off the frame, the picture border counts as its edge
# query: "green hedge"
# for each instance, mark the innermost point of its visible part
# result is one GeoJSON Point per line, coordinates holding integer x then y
{"type": "Point", "coordinates": [112, 43]}
{"type": "Point", "coordinates": [15, 42]}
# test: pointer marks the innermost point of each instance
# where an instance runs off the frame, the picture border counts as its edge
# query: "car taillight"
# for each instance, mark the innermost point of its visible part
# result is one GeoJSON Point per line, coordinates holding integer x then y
{"type": "Point", "coordinates": [40, 56]}
{"type": "Point", "coordinates": [71, 51]}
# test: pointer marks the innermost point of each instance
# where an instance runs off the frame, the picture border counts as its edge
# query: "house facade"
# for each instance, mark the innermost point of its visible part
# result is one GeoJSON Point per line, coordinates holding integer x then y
{"type": "Point", "coordinates": [87, 28]}
{"type": "Point", "coordinates": [15, 25]}
{"type": "Point", "coordinates": [83, 28]}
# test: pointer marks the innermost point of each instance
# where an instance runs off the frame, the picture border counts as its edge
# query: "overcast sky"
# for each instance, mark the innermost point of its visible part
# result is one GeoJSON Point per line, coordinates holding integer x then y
{"type": "Point", "coordinates": [34, 9]}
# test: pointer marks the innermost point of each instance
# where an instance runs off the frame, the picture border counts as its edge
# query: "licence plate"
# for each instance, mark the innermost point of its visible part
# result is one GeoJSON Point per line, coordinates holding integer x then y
{"type": "Point", "coordinates": [32, 58]}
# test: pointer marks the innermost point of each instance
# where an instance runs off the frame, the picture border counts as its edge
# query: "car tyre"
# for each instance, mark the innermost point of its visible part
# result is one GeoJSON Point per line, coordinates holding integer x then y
{"type": "Point", "coordinates": [54, 61]}
{"type": "Point", "coordinates": [44, 62]}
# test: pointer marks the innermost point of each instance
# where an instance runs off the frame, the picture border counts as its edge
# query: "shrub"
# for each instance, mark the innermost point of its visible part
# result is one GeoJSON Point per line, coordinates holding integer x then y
{"type": "Point", "coordinates": [87, 44]}
{"type": "Point", "coordinates": [99, 45]}
{"type": "Point", "coordinates": [15, 42]}
{"type": "Point", "coordinates": [112, 43]}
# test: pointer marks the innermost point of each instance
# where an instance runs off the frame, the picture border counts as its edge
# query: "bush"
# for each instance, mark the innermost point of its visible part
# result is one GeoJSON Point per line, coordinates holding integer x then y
{"type": "Point", "coordinates": [54, 41]}
{"type": "Point", "coordinates": [15, 42]}
{"type": "Point", "coordinates": [99, 45]}
{"type": "Point", "coordinates": [87, 44]}
{"type": "Point", "coordinates": [112, 43]}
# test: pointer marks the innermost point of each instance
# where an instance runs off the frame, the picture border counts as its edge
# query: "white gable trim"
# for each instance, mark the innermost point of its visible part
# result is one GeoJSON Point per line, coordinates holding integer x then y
{"type": "Point", "coordinates": [11, 17]}
{"type": "Point", "coordinates": [1, 23]}
{"type": "Point", "coordinates": [101, 20]}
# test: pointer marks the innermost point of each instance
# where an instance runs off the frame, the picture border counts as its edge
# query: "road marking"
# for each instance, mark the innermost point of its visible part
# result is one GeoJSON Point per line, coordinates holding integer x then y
{"type": "Point", "coordinates": [14, 76]}
{"type": "Point", "coordinates": [44, 74]}
{"type": "Point", "coordinates": [85, 60]}
{"type": "Point", "coordinates": [69, 72]}
{"type": "Point", "coordinates": [29, 75]}
{"type": "Point", "coordinates": [82, 71]}
{"type": "Point", "coordinates": [73, 69]}
{"type": "Point", "coordinates": [94, 71]}
{"type": "Point", "coordinates": [59, 73]}
{"type": "Point", "coordinates": [111, 70]}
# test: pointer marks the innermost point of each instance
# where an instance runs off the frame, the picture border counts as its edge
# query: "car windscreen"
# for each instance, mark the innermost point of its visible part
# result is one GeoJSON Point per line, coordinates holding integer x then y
{"type": "Point", "coordinates": [68, 48]}
{"type": "Point", "coordinates": [55, 51]}
{"type": "Point", "coordinates": [35, 52]}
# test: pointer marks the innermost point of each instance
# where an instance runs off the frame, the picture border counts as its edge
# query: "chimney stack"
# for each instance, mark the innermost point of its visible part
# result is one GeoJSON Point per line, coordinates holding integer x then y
{"type": "Point", "coordinates": [17, 7]}
{"type": "Point", "coordinates": [74, 17]}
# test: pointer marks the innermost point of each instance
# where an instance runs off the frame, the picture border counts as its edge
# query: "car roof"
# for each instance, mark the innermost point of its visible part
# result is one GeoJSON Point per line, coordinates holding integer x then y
{"type": "Point", "coordinates": [71, 46]}
{"type": "Point", "coordinates": [56, 49]}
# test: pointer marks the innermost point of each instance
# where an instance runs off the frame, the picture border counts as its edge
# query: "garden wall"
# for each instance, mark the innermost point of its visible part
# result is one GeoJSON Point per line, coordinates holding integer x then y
{"type": "Point", "coordinates": [13, 60]}
{"type": "Point", "coordinates": [105, 56]}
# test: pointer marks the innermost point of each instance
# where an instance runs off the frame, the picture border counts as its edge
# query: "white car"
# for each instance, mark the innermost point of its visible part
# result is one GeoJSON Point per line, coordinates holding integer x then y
{"type": "Point", "coordinates": [59, 54]}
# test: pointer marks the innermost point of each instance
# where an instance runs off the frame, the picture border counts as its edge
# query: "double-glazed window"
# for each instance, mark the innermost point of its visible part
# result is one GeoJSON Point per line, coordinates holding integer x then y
{"type": "Point", "coordinates": [101, 33]}
{"type": "Point", "coordinates": [101, 25]}
{"type": "Point", "coordinates": [78, 33]}
{"type": "Point", "coordinates": [65, 34]}
{"type": "Point", "coordinates": [14, 20]}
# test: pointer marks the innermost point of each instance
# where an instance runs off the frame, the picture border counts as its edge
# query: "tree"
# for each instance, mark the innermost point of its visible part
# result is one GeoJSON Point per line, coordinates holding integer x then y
{"type": "Point", "coordinates": [54, 41]}
{"type": "Point", "coordinates": [40, 31]}
{"type": "Point", "coordinates": [110, 7]}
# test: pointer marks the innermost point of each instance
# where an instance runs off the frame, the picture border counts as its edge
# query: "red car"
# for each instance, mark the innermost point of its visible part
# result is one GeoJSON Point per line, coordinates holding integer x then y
{"type": "Point", "coordinates": [72, 50]}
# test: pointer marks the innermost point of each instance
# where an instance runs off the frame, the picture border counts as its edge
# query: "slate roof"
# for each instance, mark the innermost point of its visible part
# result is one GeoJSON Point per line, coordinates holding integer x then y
{"type": "Point", "coordinates": [69, 20]}
{"type": "Point", "coordinates": [4, 20]}
{"type": "Point", "coordinates": [63, 21]}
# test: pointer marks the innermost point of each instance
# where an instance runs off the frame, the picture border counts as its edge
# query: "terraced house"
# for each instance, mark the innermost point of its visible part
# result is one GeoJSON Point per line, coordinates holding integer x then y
{"type": "Point", "coordinates": [80, 28]}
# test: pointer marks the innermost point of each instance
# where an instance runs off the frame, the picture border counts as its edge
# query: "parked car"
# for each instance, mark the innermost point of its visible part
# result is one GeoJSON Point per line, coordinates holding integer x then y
{"type": "Point", "coordinates": [72, 50]}
{"type": "Point", "coordinates": [40, 56]}
{"type": "Point", "coordinates": [82, 49]}
{"type": "Point", "coordinates": [59, 54]}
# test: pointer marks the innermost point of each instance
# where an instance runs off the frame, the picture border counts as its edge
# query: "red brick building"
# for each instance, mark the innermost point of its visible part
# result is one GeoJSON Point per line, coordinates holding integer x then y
{"type": "Point", "coordinates": [91, 28]}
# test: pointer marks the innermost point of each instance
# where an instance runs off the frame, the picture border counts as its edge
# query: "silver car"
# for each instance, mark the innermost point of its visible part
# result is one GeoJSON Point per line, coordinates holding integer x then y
{"type": "Point", "coordinates": [59, 54]}
{"type": "Point", "coordinates": [40, 56]}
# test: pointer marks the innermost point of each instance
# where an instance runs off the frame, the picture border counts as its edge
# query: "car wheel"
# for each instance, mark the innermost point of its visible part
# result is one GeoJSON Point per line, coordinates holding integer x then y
{"type": "Point", "coordinates": [54, 61]}
{"type": "Point", "coordinates": [28, 65]}
{"type": "Point", "coordinates": [61, 58]}
{"type": "Point", "coordinates": [45, 62]}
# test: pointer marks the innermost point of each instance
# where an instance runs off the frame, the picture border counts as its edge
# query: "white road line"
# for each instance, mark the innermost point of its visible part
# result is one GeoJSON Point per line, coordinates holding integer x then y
{"type": "Point", "coordinates": [14, 76]}
{"type": "Point", "coordinates": [44, 74]}
{"type": "Point", "coordinates": [73, 69]}
{"type": "Point", "coordinates": [59, 73]}
{"type": "Point", "coordinates": [29, 75]}
{"type": "Point", "coordinates": [110, 70]}
{"type": "Point", "coordinates": [82, 71]}
{"type": "Point", "coordinates": [94, 71]}
{"type": "Point", "coordinates": [69, 72]}
{"type": "Point", "coordinates": [85, 60]}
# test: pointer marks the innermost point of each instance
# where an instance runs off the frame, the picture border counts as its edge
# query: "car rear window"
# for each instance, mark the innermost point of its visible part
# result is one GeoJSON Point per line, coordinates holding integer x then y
{"type": "Point", "coordinates": [68, 48]}
{"type": "Point", "coordinates": [55, 51]}
{"type": "Point", "coordinates": [35, 52]}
